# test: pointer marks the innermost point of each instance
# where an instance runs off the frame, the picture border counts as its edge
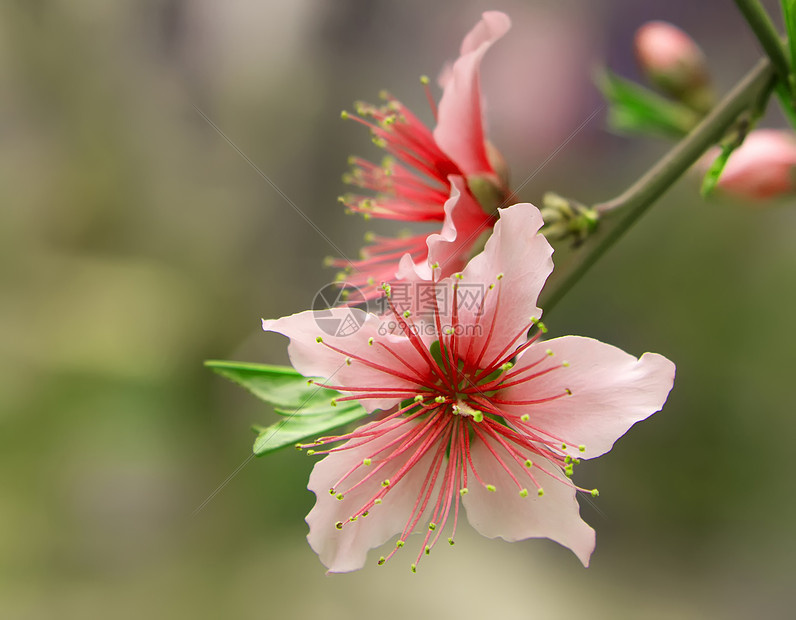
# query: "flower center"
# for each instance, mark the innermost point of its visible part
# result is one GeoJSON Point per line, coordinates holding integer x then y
{"type": "Point", "coordinates": [462, 408]}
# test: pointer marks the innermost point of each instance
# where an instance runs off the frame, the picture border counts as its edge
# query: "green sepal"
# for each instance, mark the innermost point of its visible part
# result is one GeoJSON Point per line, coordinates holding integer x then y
{"type": "Point", "coordinates": [636, 109]}
{"type": "Point", "coordinates": [307, 408]}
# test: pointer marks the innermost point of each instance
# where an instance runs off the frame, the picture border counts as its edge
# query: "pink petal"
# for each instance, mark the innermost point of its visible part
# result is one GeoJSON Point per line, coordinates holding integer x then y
{"type": "Point", "coordinates": [314, 359]}
{"type": "Point", "coordinates": [346, 549]}
{"type": "Point", "coordinates": [506, 514]}
{"type": "Point", "coordinates": [464, 223]}
{"type": "Point", "coordinates": [611, 391]}
{"type": "Point", "coordinates": [763, 167]}
{"type": "Point", "coordinates": [523, 256]}
{"type": "Point", "coordinates": [459, 130]}
{"type": "Point", "coordinates": [493, 25]}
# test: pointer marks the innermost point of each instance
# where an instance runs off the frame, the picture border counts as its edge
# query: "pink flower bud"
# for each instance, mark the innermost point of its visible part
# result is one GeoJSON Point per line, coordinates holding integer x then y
{"type": "Point", "coordinates": [672, 61]}
{"type": "Point", "coordinates": [762, 167]}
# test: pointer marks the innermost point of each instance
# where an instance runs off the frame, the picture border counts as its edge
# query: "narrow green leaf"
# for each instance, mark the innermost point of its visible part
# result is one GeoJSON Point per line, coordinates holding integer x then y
{"type": "Point", "coordinates": [713, 174]}
{"type": "Point", "coordinates": [636, 109]}
{"type": "Point", "coordinates": [789, 17]}
{"type": "Point", "coordinates": [786, 102]}
{"type": "Point", "coordinates": [300, 426]}
{"type": "Point", "coordinates": [308, 409]}
{"type": "Point", "coordinates": [281, 386]}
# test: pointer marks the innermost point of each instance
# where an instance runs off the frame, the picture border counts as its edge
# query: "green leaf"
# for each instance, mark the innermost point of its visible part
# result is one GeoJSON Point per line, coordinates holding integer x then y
{"type": "Point", "coordinates": [300, 426]}
{"type": "Point", "coordinates": [636, 109]}
{"type": "Point", "coordinates": [789, 17]}
{"type": "Point", "coordinates": [307, 408]}
{"type": "Point", "coordinates": [713, 174]}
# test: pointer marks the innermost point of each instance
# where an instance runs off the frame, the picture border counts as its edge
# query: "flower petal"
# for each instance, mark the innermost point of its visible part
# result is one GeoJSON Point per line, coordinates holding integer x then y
{"type": "Point", "coordinates": [459, 130]}
{"type": "Point", "coordinates": [611, 391]}
{"type": "Point", "coordinates": [762, 167]}
{"type": "Point", "coordinates": [506, 514]}
{"type": "Point", "coordinates": [464, 222]}
{"type": "Point", "coordinates": [523, 256]}
{"type": "Point", "coordinates": [357, 364]}
{"type": "Point", "coordinates": [344, 550]}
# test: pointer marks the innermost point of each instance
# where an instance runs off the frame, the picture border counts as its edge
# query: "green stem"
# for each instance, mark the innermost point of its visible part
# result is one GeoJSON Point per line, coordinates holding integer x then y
{"type": "Point", "coordinates": [644, 192]}
{"type": "Point", "coordinates": [767, 34]}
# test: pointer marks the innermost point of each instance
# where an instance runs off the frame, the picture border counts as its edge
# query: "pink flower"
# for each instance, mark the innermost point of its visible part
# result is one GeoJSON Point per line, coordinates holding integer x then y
{"type": "Point", "coordinates": [670, 58]}
{"type": "Point", "coordinates": [426, 169]}
{"type": "Point", "coordinates": [471, 411]}
{"type": "Point", "coordinates": [762, 168]}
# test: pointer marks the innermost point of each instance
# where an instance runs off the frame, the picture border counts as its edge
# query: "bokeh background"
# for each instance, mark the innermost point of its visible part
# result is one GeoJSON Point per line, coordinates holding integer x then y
{"type": "Point", "coordinates": [135, 242]}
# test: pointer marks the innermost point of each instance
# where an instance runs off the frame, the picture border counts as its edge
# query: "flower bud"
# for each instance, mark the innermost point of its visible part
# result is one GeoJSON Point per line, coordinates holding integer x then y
{"type": "Point", "coordinates": [673, 62]}
{"type": "Point", "coordinates": [762, 168]}
{"type": "Point", "coordinates": [566, 219]}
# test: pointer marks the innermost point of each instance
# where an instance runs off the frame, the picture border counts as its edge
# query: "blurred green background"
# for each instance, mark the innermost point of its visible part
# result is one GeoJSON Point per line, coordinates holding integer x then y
{"type": "Point", "coordinates": [135, 243]}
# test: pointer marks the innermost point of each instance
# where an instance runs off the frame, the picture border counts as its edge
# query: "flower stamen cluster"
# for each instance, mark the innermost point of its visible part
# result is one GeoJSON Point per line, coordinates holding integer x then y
{"type": "Point", "coordinates": [453, 398]}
